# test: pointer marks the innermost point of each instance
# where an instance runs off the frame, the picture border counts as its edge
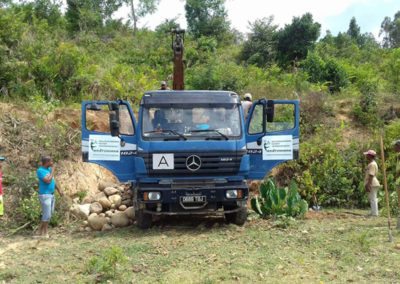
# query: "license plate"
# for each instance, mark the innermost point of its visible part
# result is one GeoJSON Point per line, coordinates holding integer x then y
{"type": "Point", "coordinates": [193, 199]}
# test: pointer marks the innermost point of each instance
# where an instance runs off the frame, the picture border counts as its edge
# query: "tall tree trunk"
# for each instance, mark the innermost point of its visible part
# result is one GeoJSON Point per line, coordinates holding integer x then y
{"type": "Point", "coordinates": [134, 17]}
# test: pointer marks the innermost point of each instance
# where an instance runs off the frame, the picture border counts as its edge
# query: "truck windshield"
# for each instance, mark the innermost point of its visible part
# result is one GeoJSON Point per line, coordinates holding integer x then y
{"type": "Point", "coordinates": [191, 122]}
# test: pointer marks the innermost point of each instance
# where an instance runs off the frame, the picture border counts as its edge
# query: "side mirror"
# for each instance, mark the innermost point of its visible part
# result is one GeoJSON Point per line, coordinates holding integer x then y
{"type": "Point", "coordinates": [269, 111]}
{"type": "Point", "coordinates": [114, 118]}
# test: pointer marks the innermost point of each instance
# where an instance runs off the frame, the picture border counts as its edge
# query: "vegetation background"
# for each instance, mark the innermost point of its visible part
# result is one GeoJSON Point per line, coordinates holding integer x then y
{"type": "Point", "coordinates": [348, 83]}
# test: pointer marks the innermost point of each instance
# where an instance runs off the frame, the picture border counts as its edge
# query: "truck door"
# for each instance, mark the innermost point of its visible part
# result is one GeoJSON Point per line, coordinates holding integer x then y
{"type": "Point", "coordinates": [272, 135]}
{"type": "Point", "coordinates": [109, 138]}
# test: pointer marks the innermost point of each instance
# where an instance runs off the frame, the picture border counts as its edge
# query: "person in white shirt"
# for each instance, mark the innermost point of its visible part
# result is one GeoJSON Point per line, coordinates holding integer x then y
{"type": "Point", "coordinates": [246, 104]}
{"type": "Point", "coordinates": [372, 184]}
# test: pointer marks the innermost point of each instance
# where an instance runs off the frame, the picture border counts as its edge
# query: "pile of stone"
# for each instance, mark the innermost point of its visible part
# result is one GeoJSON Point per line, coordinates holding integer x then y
{"type": "Point", "coordinates": [111, 207]}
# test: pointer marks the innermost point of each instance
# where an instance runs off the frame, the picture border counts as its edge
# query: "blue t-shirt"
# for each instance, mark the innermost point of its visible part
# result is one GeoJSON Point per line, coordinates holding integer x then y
{"type": "Point", "coordinates": [45, 188]}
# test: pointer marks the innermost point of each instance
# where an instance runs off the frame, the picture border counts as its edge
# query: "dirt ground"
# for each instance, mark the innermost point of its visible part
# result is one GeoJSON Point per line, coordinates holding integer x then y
{"type": "Point", "coordinates": [326, 247]}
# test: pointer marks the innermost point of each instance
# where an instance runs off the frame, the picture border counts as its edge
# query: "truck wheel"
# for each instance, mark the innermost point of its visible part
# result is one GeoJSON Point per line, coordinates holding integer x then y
{"type": "Point", "coordinates": [143, 220]}
{"type": "Point", "coordinates": [237, 218]}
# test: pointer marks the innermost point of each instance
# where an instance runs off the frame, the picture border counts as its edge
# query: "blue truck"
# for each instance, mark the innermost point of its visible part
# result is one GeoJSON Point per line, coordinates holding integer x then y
{"type": "Point", "coordinates": [190, 152]}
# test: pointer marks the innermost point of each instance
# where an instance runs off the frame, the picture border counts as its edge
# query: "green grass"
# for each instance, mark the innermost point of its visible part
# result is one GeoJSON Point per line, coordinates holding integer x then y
{"type": "Point", "coordinates": [339, 248]}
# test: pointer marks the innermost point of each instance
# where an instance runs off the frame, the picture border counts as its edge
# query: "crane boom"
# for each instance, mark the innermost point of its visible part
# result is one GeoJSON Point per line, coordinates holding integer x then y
{"type": "Point", "coordinates": [178, 38]}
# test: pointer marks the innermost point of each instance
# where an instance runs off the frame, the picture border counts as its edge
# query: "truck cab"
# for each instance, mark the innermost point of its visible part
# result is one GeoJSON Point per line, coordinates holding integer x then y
{"type": "Point", "coordinates": [190, 152]}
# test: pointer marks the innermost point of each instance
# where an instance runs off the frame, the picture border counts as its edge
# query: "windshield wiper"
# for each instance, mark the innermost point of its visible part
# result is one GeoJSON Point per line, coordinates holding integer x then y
{"type": "Point", "coordinates": [168, 131]}
{"type": "Point", "coordinates": [211, 130]}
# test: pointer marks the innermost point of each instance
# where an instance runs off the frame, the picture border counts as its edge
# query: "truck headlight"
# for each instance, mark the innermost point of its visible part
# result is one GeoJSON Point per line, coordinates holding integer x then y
{"type": "Point", "coordinates": [234, 194]}
{"type": "Point", "coordinates": [231, 194]}
{"type": "Point", "coordinates": [152, 195]}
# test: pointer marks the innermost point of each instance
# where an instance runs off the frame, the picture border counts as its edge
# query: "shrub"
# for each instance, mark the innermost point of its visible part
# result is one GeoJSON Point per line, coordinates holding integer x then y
{"type": "Point", "coordinates": [274, 201]}
{"type": "Point", "coordinates": [106, 264]}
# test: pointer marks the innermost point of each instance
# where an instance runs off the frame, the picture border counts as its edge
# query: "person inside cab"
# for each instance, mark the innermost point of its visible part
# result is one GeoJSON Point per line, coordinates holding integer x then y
{"type": "Point", "coordinates": [164, 86]}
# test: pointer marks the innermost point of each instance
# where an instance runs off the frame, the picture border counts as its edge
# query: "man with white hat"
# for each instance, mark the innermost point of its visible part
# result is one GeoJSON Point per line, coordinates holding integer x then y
{"type": "Point", "coordinates": [246, 104]}
{"type": "Point", "coordinates": [372, 184]}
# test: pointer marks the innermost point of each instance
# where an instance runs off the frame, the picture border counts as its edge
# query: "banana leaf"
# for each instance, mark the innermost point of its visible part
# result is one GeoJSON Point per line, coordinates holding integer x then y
{"type": "Point", "coordinates": [255, 205]}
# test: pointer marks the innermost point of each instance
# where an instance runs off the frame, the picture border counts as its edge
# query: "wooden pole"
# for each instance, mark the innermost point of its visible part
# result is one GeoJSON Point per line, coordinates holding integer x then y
{"type": "Point", "coordinates": [386, 189]}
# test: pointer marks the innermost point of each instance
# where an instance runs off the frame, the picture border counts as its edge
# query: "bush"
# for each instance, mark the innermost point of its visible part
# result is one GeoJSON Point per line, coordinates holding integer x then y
{"type": "Point", "coordinates": [106, 265]}
{"type": "Point", "coordinates": [274, 201]}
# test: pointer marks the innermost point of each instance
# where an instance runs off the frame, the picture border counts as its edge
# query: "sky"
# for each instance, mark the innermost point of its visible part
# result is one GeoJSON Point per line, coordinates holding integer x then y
{"type": "Point", "coordinates": [333, 15]}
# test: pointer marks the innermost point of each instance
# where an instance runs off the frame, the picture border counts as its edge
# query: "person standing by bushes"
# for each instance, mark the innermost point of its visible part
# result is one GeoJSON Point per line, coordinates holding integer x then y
{"type": "Point", "coordinates": [47, 186]}
{"type": "Point", "coordinates": [2, 159]}
{"type": "Point", "coordinates": [397, 149]}
{"type": "Point", "coordinates": [372, 184]}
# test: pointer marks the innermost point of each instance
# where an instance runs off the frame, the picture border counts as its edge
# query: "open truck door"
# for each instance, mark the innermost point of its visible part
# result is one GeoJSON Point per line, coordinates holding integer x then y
{"type": "Point", "coordinates": [109, 138]}
{"type": "Point", "coordinates": [272, 135]}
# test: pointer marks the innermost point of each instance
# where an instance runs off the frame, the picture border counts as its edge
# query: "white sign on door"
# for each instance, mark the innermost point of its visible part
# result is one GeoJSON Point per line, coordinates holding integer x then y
{"type": "Point", "coordinates": [104, 148]}
{"type": "Point", "coordinates": [163, 161]}
{"type": "Point", "coordinates": [277, 147]}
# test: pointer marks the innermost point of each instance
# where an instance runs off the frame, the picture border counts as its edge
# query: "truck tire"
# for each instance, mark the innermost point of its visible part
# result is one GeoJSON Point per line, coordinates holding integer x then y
{"type": "Point", "coordinates": [237, 218]}
{"type": "Point", "coordinates": [143, 220]}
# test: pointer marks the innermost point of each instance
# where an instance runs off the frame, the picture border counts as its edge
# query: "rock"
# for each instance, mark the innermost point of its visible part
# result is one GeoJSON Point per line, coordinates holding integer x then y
{"type": "Point", "coordinates": [85, 223]}
{"type": "Point", "coordinates": [99, 196]}
{"type": "Point", "coordinates": [113, 206]}
{"type": "Point", "coordinates": [120, 219]}
{"type": "Point", "coordinates": [122, 208]}
{"type": "Point", "coordinates": [109, 213]}
{"type": "Point", "coordinates": [88, 229]}
{"type": "Point", "coordinates": [130, 212]}
{"type": "Point", "coordinates": [96, 208]}
{"type": "Point", "coordinates": [75, 200]}
{"type": "Point", "coordinates": [102, 215]}
{"type": "Point", "coordinates": [80, 211]}
{"type": "Point", "coordinates": [115, 199]}
{"type": "Point", "coordinates": [106, 227]}
{"type": "Point", "coordinates": [81, 229]}
{"type": "Point", "coordinates": [97, 222]}
{"type": "Point", "coordinates": [108, 220]}
{"type": "Point", "coordinates": [110, 191]}
{"type": "Point", "coordinates": [127, 202]}
{"type": "Point", "coordinates": [105, 203]}
{"type": "Point", "coordinates": [104, 184]}
{"type": "Point", "coordinates": [88, 199]}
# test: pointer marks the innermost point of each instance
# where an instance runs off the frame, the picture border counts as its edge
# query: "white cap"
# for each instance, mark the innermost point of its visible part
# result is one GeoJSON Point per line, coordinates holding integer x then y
{"type": "Point", "coordinates": [248, 96]}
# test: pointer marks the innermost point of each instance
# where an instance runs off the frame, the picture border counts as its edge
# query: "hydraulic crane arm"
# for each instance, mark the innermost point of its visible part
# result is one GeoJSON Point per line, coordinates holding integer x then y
{"type": "Point", "coordinates": [178, 38]}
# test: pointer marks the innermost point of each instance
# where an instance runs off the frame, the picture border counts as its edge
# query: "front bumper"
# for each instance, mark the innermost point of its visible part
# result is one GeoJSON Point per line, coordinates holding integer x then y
{"type": "Point", "coordinates": [171, 201]}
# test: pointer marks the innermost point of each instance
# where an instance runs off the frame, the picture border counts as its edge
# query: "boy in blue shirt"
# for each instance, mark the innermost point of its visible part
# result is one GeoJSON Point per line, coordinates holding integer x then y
{"type": "Point", "coordinates": [47, 186]}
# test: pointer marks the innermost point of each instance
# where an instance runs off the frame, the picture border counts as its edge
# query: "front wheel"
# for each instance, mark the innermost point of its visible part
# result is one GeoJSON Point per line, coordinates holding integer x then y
{"type": "Point", "coordinates": [143, 220]}
{"type": "Point", "coordinates": [237, 218]}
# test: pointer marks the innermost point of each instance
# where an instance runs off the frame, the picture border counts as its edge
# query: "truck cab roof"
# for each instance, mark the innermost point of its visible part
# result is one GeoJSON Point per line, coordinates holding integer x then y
{"type": "Point", "coordinates": [167, 97]}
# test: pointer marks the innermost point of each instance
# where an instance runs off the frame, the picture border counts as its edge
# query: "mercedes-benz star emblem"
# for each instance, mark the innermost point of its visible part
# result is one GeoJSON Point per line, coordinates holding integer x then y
{"type": "Point", "coordinates": [193, 163]}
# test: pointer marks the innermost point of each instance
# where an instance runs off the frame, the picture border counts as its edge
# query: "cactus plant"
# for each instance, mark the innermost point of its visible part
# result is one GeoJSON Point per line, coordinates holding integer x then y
{"type": "Point", "coordinates": [274, 201]}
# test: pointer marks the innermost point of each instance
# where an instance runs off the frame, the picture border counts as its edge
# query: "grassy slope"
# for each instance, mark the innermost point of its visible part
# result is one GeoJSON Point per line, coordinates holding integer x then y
{"type": "Point", "coordinates": [336, 248]}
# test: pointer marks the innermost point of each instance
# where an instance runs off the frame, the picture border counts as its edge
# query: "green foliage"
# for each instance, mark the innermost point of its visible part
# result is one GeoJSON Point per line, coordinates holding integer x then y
{"type": "Point", "coordinates": [367, 109]}
{"type": "Point", "coordinates": [30, 209]}
{"type": "Point", "coordinates": [107, 265]}
{"type": "Point", "coordinates": [207, 18]}
{"type": "Point", "coordinates": [335, 75]}
{"type": "Point", "coordinates": [391, 30]}
{"type": "Point", "coordinates": [296, 38]}
{"type": "Point", "coordinates": [274, 201]}
{"type": "Point", "coordinates": [260, 48]}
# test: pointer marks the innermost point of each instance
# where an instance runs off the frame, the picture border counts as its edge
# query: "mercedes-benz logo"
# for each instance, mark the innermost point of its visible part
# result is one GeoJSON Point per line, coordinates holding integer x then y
{"type": "Point", "coordinates": [193, 163]}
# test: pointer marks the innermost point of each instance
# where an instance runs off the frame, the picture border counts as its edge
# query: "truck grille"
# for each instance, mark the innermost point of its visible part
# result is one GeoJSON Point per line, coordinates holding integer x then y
{"type": "Point", "coordinates": [214, 164]}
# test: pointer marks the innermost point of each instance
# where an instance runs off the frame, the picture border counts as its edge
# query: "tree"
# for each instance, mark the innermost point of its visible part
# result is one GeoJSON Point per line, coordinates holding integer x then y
{"type": "Point", "coordinates": [295, 39]}
{"type": "Point", "coordinates": [391, 30]}
{"type": "Point", "coordinates": [207, 18]}
{"type": "Point", "coordinates": [354, 29]}
{"type": "Point", "coordinates": [260, 48]}
{"type": "Point", "coordinates": [47, 9]}
{"type": "Point", "coordinates": [167, 26]}
{"type": "Point", "coordinates": [141, 8]}
{"type": "Point", "coordinates": [84, 15]}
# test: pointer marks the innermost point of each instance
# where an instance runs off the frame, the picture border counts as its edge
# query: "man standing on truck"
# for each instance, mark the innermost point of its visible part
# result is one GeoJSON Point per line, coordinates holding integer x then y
{"type": "Point", "coordinates": [47, 186]}
{"type": "Point", "coordinates": [397, 181]}
{"type": "Point", "coordinates": [371, 182]}
{"type": "Point", "coordinates": [164, 86]}
{"type": "Point", "coordinates": [246, 104]}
